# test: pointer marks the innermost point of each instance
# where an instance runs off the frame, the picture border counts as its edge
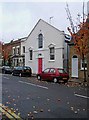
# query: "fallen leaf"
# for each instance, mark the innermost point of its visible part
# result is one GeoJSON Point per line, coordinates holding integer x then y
{"type": "Point", "coordinates": [30, 112]}
{"type": "Point", "coordinates": [78, 109]}
{"type": "Point", "coordinates": [83, 109]}
{"type": "Point", "coordinates": [75, 112]}
{"type": "Point", "coordinates": [34, 106]}
{"type": "Point", "coordinates": [27, 98]}
{"type": "Point", "coordinates": [14, 104]}
{"type": "Point", "coordinates": [41, 110]}
{"type": "Point", "coordinates": [67, 102]}
{"type": "Point", "coordinates": [9, 96]}
{"type": "Point", "coordinates": [38, 97]}
{"type": "Point", "coordinates": [58, 99]}
{"type": "Point", "coordinates": [48, 99]}
{"type": "Point", "coordinates": [72, 108]}
{"type": "Point", "coordinates": [49, 110]}
{"type": "Point", "coordinates": [13, 99]}
{"type": "Point", "coordinates": [35, 112]}
{"type": "Point", "coordinates": [17, 109]}
{"type": "Point", "coordinates": [32, 118]}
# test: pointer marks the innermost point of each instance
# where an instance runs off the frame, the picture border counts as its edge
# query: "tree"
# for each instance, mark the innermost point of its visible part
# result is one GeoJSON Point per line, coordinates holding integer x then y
{"type": "Point", "coordinates": [81, 39]}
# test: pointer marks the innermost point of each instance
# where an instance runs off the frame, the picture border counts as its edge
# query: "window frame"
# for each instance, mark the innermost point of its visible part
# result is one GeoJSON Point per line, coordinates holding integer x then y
{"type": "Point", "coordinates": [31, 54]}
{"type": "Point", "coordinates": [81, 62]}
{"type": "Point", "coordinates": [40, 41]}
{"type": "Point", "coordinates": [23, 49]}
{"type": "Point", "coordinates": [52, 53]}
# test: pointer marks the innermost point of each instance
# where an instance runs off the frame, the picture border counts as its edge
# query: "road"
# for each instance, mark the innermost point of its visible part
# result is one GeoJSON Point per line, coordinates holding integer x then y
{"type": "Point", "coordinates": [30, 98]}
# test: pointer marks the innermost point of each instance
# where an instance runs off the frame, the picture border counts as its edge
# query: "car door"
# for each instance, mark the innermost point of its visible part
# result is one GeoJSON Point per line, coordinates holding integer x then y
{"type": "Point", "coordinates": [45, 74]}
{"type": "Point", "coordinates": [52, 73]}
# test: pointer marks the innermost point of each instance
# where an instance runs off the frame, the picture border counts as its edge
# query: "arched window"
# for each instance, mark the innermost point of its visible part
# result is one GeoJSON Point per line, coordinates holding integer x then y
{"type": "Point", "coordinates": [40, 41]}
{"type": "Point", "coordinates": [74, 56]}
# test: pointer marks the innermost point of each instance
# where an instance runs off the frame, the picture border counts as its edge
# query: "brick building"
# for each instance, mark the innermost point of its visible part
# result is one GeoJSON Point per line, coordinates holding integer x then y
{"type": "Point", "coordinates": [88, 45]}
{"type": "Point", "coordinates": [6, 54]}
{"type": "Point", "coordinates": [14, 53]}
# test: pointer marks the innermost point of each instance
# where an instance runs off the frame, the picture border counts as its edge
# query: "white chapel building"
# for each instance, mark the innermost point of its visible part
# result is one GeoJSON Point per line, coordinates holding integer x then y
{"type": "Point", "coordinates": [44, 47]}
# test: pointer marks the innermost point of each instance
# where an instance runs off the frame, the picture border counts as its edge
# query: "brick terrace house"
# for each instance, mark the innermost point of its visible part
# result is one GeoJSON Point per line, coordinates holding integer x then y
{"type": "Point", "coordinates": [76, 65]}
{"type": "Point", "coordinates": [18, 52]}
{"type": "Point", "coordinates": [14, 52]}
{"type": "Point", "coordinates": [88, 45]}
{"type": "Point", "coordinates": [6, 54]}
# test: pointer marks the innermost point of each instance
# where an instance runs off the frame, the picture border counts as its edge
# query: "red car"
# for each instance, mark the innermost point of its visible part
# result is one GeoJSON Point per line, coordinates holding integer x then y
{"type": "Point", "coordinates": [53, 74]}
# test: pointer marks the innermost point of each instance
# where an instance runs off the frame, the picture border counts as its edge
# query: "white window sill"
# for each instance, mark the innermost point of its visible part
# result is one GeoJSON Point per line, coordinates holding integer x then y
{"type": "Point", "coordinates": [83, 69]}
{"type": "Point", "coordinates": [51, 60]}
{"type": "Point", "coordinates": [30, 60]}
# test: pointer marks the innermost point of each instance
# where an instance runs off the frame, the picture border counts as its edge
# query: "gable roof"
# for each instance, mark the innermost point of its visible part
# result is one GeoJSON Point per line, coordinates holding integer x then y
{"type": "Point", "coordinates": [46, 23]}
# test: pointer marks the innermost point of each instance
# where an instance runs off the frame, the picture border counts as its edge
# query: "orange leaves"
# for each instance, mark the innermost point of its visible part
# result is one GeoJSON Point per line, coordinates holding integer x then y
{"type": "Point", "coordinates": [81, 38]}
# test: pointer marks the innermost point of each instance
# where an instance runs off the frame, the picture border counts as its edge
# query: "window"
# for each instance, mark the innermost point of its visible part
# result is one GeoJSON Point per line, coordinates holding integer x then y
{"type": "Point", "coordinates": [23, 49]}
{"type": "Point", "coordinates": [52, 71]}
{"type": "Point", "coordinates": [18, 50]}
{"type": "Point", "coordinates": [61, 71]}
{"type": "Point", "coordinates": [14, 51]}
{"type": "Point", "coordinates": [52, 53]}
{"type": "Point", "coordinates": [40, 41]}
{"type": "Point", "coordinates": [82, 64]}
{"type": "Point", "coordinates": [46, 70]}
{"type": "Point", "coordinates": [31, 54]}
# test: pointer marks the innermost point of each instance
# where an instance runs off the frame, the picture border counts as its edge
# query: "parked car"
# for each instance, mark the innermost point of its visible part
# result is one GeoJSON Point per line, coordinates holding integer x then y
{"type": "Point", "coordinates": [53, 74]}
{"type": "Point", "coordinates": [22, 71]}
{"type": "Point", "coordinates": [6, 69]}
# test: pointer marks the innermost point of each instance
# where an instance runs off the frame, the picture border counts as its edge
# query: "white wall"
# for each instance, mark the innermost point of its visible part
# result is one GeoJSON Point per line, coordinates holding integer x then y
{"type": "Point", "coordinates": [51, 36]}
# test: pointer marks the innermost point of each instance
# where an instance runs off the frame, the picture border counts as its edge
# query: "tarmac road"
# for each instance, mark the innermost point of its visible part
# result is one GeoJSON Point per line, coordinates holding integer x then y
{"type": "Point", "coordinates": [30, 98]}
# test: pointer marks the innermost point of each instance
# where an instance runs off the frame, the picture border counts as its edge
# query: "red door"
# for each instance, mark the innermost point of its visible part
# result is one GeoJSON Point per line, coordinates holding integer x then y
{"type": "Point", "coordinates": [39, 65]}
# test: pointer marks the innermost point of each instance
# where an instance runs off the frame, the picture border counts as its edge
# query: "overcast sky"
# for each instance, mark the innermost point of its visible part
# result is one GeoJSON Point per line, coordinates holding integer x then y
{"type": "Point", "coordinates": [17, 19]}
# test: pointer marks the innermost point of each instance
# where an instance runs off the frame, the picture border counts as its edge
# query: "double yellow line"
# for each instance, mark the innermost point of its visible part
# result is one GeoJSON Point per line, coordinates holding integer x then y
{"type": "Point", "coordinates": [9, 113]}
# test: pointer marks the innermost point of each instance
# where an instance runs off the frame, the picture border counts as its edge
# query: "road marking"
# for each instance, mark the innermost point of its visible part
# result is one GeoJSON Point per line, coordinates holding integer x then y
{"type": "Point", "coordinates": [6, 77]}
{"type": "Point", "coordinates": [34, 85]}
{"type": "Point", "coordinates": [9, 113]}
{"type": "Point", "coordinates": [81, 96]}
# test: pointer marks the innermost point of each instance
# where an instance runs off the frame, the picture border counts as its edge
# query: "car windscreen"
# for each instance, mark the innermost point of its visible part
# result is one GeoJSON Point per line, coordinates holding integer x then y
{"type": "Point", "coordinates": [61, 71]}
{"type": "Point", "coordinates": [7, 67]}
{"type": "Point", "coordinates": [18, 68]}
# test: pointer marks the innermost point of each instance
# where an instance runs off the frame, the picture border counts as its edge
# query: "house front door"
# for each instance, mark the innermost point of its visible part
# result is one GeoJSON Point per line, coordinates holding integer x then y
{"type": "Point", "coordinates": [40, 64]}
{"type": "Point", "coordinates": [75, 66]}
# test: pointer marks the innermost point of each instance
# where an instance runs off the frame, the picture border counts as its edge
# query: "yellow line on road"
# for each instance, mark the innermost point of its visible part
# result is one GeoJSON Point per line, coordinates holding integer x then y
{"type": "Point", "coordinates": [9, 113]}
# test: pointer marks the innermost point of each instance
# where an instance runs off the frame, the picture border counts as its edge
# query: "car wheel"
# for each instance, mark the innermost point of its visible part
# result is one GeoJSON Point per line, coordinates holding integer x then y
{"type": "Point", "coordinates": [55, 80]}
{"type": "Point", "coordinates": [39, 77]}
{"type": "Point", "coordinates": [20, 75]}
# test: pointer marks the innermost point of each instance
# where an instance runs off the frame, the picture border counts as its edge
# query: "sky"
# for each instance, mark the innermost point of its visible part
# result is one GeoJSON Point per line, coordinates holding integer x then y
{"type": "Point", "coordinates": [18, 18]}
